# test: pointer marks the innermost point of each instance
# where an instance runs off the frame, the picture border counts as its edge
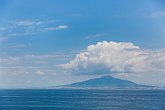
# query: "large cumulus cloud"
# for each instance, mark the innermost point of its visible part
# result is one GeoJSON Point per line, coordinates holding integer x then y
{"type": "Point", "coordinates": [116, 57]}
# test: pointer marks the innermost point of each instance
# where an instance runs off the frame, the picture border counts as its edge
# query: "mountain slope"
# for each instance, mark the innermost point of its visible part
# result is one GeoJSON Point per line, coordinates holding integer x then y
{"type": "Point", "coordinates": [105, 82]}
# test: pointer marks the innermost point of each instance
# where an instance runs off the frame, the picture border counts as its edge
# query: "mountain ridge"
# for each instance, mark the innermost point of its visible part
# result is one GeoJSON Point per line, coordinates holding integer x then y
{"type": "Point", "coordinates": [105, 82]}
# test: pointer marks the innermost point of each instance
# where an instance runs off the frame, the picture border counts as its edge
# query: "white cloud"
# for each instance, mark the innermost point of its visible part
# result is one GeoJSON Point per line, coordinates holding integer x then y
{"type": "Point", "coordinates": [60, 27]}
{"type": "Point", "coordinates": [111, 57]}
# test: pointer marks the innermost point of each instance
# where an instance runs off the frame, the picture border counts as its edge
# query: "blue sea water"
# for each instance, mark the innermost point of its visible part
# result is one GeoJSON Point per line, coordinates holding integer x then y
{"type": "Point", "coordinates": [82, 99]}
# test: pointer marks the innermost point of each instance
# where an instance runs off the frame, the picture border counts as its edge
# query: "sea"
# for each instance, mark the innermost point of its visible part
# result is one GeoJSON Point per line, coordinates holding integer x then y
{"type": "Point", "coordinates": [68, 99]}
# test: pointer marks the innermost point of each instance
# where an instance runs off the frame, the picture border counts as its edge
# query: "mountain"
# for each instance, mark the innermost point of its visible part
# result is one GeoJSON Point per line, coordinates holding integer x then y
{"type": "Point", "coordinates": [105, 82]}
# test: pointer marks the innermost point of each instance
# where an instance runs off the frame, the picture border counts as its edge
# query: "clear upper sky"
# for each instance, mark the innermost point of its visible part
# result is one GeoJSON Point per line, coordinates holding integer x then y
{"type": "Point", "coordinates": [36, 36]}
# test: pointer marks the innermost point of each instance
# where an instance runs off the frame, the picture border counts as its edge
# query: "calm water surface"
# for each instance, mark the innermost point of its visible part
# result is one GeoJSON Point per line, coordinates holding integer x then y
{"type": "Point", "coordinates": [82, 99]}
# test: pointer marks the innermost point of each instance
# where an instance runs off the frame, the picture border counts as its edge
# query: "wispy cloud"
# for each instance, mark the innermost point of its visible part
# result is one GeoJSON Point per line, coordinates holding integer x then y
{"type": "Point", "coordinates": [60, 27]}
{"type": "Point", "coordinates": [29, 27]}
{"type": "Point", "coordinates": [2, 28]}
{"type": "Point", "coordinates": [38, 64]}
{"type": "Point", "coordinates": [93, 36]}
{"type": "Point", "coordinates": [39, 72]}
{"type": "Point", "coordinates": [26, 22]}
{"type": "Point", "coordinates": [158, 14]}
{"type": "Point", "coordinates": [19, 46]}
{"type": "Point", "coordinates": [3, 39]}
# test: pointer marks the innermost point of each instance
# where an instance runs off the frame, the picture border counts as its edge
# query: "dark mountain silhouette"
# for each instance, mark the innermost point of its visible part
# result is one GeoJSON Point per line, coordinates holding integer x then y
{"type": "Point", "coordinates": [105, 82]}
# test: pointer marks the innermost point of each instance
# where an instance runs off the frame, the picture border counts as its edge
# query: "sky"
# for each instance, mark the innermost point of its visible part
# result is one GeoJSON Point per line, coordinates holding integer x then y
{"type": "Point", "coordinates": [54, 42]}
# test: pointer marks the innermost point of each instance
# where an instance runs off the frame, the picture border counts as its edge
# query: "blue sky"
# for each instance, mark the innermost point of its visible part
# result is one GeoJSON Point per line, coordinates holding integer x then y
{"type": "Point", "coordinates": [38, 36]}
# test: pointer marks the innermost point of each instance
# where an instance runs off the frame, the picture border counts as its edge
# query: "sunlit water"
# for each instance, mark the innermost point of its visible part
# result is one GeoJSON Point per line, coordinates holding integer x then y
{"type": "Point", "coordinates": [82, 99]}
